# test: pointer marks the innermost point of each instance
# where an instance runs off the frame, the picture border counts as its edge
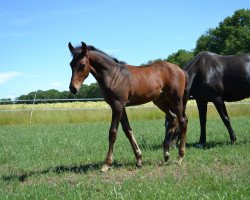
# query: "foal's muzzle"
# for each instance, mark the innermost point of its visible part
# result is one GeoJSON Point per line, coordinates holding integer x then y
{"type": "Point", "coordinates": [72, 89]}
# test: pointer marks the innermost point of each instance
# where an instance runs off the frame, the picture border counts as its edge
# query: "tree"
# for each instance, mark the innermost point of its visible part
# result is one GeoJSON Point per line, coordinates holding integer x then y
{"type": "Point", "coordinates": [232, 36]}
{"type": "Point", "coordinates": [94, 91]}
{"type": "Point", "coordinates": [151, 61]}
{"type": "Point", "coordinates": [91, 91]}
{"type": "Point", "coordinates": [52, 94]}
{"type": "Point", "coordinates": [181, 58]}
{"type": "Point", "coordinates": [83, 91]}
{"type": "Point", "coordinates": [66, 95]}
{"type": "Point", "coordinates": [5, 101]}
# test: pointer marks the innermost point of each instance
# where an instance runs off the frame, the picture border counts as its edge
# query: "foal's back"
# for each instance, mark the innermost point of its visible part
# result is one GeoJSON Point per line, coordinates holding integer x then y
{"type": "Point", "coordinates": [148, 82]}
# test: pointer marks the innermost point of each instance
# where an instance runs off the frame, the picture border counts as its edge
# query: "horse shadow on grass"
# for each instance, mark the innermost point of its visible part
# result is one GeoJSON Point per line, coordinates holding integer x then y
{"type": "Point", "coordinates": [80, 169]}
{"type": "Point", "coordinates": [83, 169]}
{"type": "Point", "coordinates": [208, 145]}
{"type": "Point", "coordinates": [215, 144]}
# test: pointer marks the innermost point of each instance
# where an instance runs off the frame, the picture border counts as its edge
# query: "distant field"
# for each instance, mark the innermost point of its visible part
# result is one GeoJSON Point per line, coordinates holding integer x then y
{"type": "Point", "coordinates": [59, 156]}
{"type": "Point", "coordinates": [76, 105]}
{"type": "Point", "coordinates": [79, 112]}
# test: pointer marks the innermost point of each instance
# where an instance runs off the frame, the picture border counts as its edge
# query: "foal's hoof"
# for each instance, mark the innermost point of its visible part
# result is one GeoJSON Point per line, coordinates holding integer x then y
{"type": "Point", "coordinates": [139, 165]}
{"type": "Point", "coordinates": [178, 161]}
{"type": "Point", "coordinates": [166, 156]}
{"type": "Point", "coordinates": [105, 168]}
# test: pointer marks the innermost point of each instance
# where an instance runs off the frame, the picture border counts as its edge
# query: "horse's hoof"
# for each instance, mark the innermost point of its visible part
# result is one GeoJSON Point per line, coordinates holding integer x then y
{"type": "Point", "coordinates": [199, 145]}
{"type": "Point", "coordinates": [105, 168]}
{"type": "Point", "coordinates": [233, 142]}
{"type": "Point", "coordinates": [139, 165]}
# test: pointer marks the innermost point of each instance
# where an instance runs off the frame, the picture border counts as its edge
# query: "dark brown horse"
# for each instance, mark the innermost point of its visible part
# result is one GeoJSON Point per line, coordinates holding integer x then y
{"type": "Point", "coordinates": [215, 78]}
{"type": "Point", "coordinates": [125, 85]}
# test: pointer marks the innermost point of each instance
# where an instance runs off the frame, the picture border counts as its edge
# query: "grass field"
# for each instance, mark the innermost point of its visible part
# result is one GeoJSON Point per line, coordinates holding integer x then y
{"type": "Point", "coordinates": [59, 156]}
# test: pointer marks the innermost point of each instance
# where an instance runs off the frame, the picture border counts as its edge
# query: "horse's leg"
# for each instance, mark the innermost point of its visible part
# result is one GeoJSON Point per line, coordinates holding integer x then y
{"type": "Point", "coordinates": [202, 107]}
{"type": "Point", "coordinates": [221, 108]}
{"type": "Point", "coordinates": [116, 116]}
{"type": "Point", "coordinates": [128, 131]}
{"type": "Point", "coordinates": [170, 125]}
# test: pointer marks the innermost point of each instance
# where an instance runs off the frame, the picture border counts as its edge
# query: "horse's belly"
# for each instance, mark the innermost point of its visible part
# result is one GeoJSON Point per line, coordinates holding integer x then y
{"type": "Point", "coordinates": [237, 96]}
{"type": "Point", "coordinates": [236, 93]}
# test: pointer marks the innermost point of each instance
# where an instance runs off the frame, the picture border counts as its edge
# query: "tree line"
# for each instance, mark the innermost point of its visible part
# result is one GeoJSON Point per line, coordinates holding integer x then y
{"type": "Point", "coordinates": [231, 36]}
{"type": "Point", "coordinates": [86, 91]}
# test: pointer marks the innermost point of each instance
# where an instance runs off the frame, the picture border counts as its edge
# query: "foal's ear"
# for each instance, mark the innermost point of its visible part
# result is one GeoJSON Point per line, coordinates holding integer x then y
{"type": "Point", "coordinates": [84, 48]}
{"type": "Point", "coordinates": [71, 48]}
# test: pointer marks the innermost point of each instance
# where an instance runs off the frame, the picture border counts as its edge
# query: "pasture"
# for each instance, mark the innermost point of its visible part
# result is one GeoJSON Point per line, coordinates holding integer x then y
{"type": "Point", "coordinates": [59, 155]}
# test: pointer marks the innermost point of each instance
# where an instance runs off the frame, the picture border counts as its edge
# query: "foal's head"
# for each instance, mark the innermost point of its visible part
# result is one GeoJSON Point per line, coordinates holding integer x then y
{"type": "Point", "coordinates": [80, 66]}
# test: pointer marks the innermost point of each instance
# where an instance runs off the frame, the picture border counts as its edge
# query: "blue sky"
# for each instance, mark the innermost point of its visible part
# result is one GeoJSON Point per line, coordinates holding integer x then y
{"type": "Point", "coordinates": [34, 35]}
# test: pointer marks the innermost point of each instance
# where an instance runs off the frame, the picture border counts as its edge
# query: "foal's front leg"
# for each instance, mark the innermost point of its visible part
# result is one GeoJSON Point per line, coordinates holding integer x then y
{"type": "Point", "coordinates": [128, 131]}
{"type": "Point", "coordinates": [116, 116]}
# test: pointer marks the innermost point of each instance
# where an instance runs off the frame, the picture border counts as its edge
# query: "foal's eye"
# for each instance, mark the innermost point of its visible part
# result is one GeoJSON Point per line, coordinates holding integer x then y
{"type": "Point", "coordinates": [80, 67]}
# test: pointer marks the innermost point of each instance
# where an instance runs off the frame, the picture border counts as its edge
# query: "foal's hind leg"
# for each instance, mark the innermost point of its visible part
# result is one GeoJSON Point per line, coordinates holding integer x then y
{"type": "Point", "coordinates": [182, 120]}
{"type": "Point", "coordinates": [128, 131]}
{"type": "Point", "coordinates": [170, 125]}
{"type": "Point", "coordinates": [176, 136]}
{"type": "Point", "coordinates": [180, 108]}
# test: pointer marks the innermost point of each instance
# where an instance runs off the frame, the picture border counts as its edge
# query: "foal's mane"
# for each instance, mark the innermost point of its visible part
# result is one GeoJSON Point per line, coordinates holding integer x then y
{"type": "Point", "coordinates": [92, 48]}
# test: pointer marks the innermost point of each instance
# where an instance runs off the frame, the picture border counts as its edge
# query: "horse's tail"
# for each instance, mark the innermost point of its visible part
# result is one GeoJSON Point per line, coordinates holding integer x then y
{"type": "Point", "coordinates": [186, 94]}
{"type": "Point", "coordinates": [190, 70]}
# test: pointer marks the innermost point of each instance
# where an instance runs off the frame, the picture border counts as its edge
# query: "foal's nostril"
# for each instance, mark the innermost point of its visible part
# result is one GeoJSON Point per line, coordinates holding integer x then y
{"type": "Point", "coordinates": [72, 89]}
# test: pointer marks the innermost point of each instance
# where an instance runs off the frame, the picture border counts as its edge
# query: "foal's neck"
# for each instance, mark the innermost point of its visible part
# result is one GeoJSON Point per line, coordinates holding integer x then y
{"type": "Point", "coordinates": [101, 65]}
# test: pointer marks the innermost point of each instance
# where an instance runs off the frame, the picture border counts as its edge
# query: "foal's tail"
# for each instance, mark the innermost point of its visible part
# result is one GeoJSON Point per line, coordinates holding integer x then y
{"type": "Point", "coordinates": [177, 132]}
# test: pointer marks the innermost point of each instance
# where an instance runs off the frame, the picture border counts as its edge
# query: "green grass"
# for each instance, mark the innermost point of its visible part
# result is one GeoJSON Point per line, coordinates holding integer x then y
{"type": "Point", "coordinates": [62, 160]}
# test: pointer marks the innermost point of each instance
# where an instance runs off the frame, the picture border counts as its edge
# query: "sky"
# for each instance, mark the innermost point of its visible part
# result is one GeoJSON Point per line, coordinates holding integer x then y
{"type": "Point", "coordinates": [34, 35]}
